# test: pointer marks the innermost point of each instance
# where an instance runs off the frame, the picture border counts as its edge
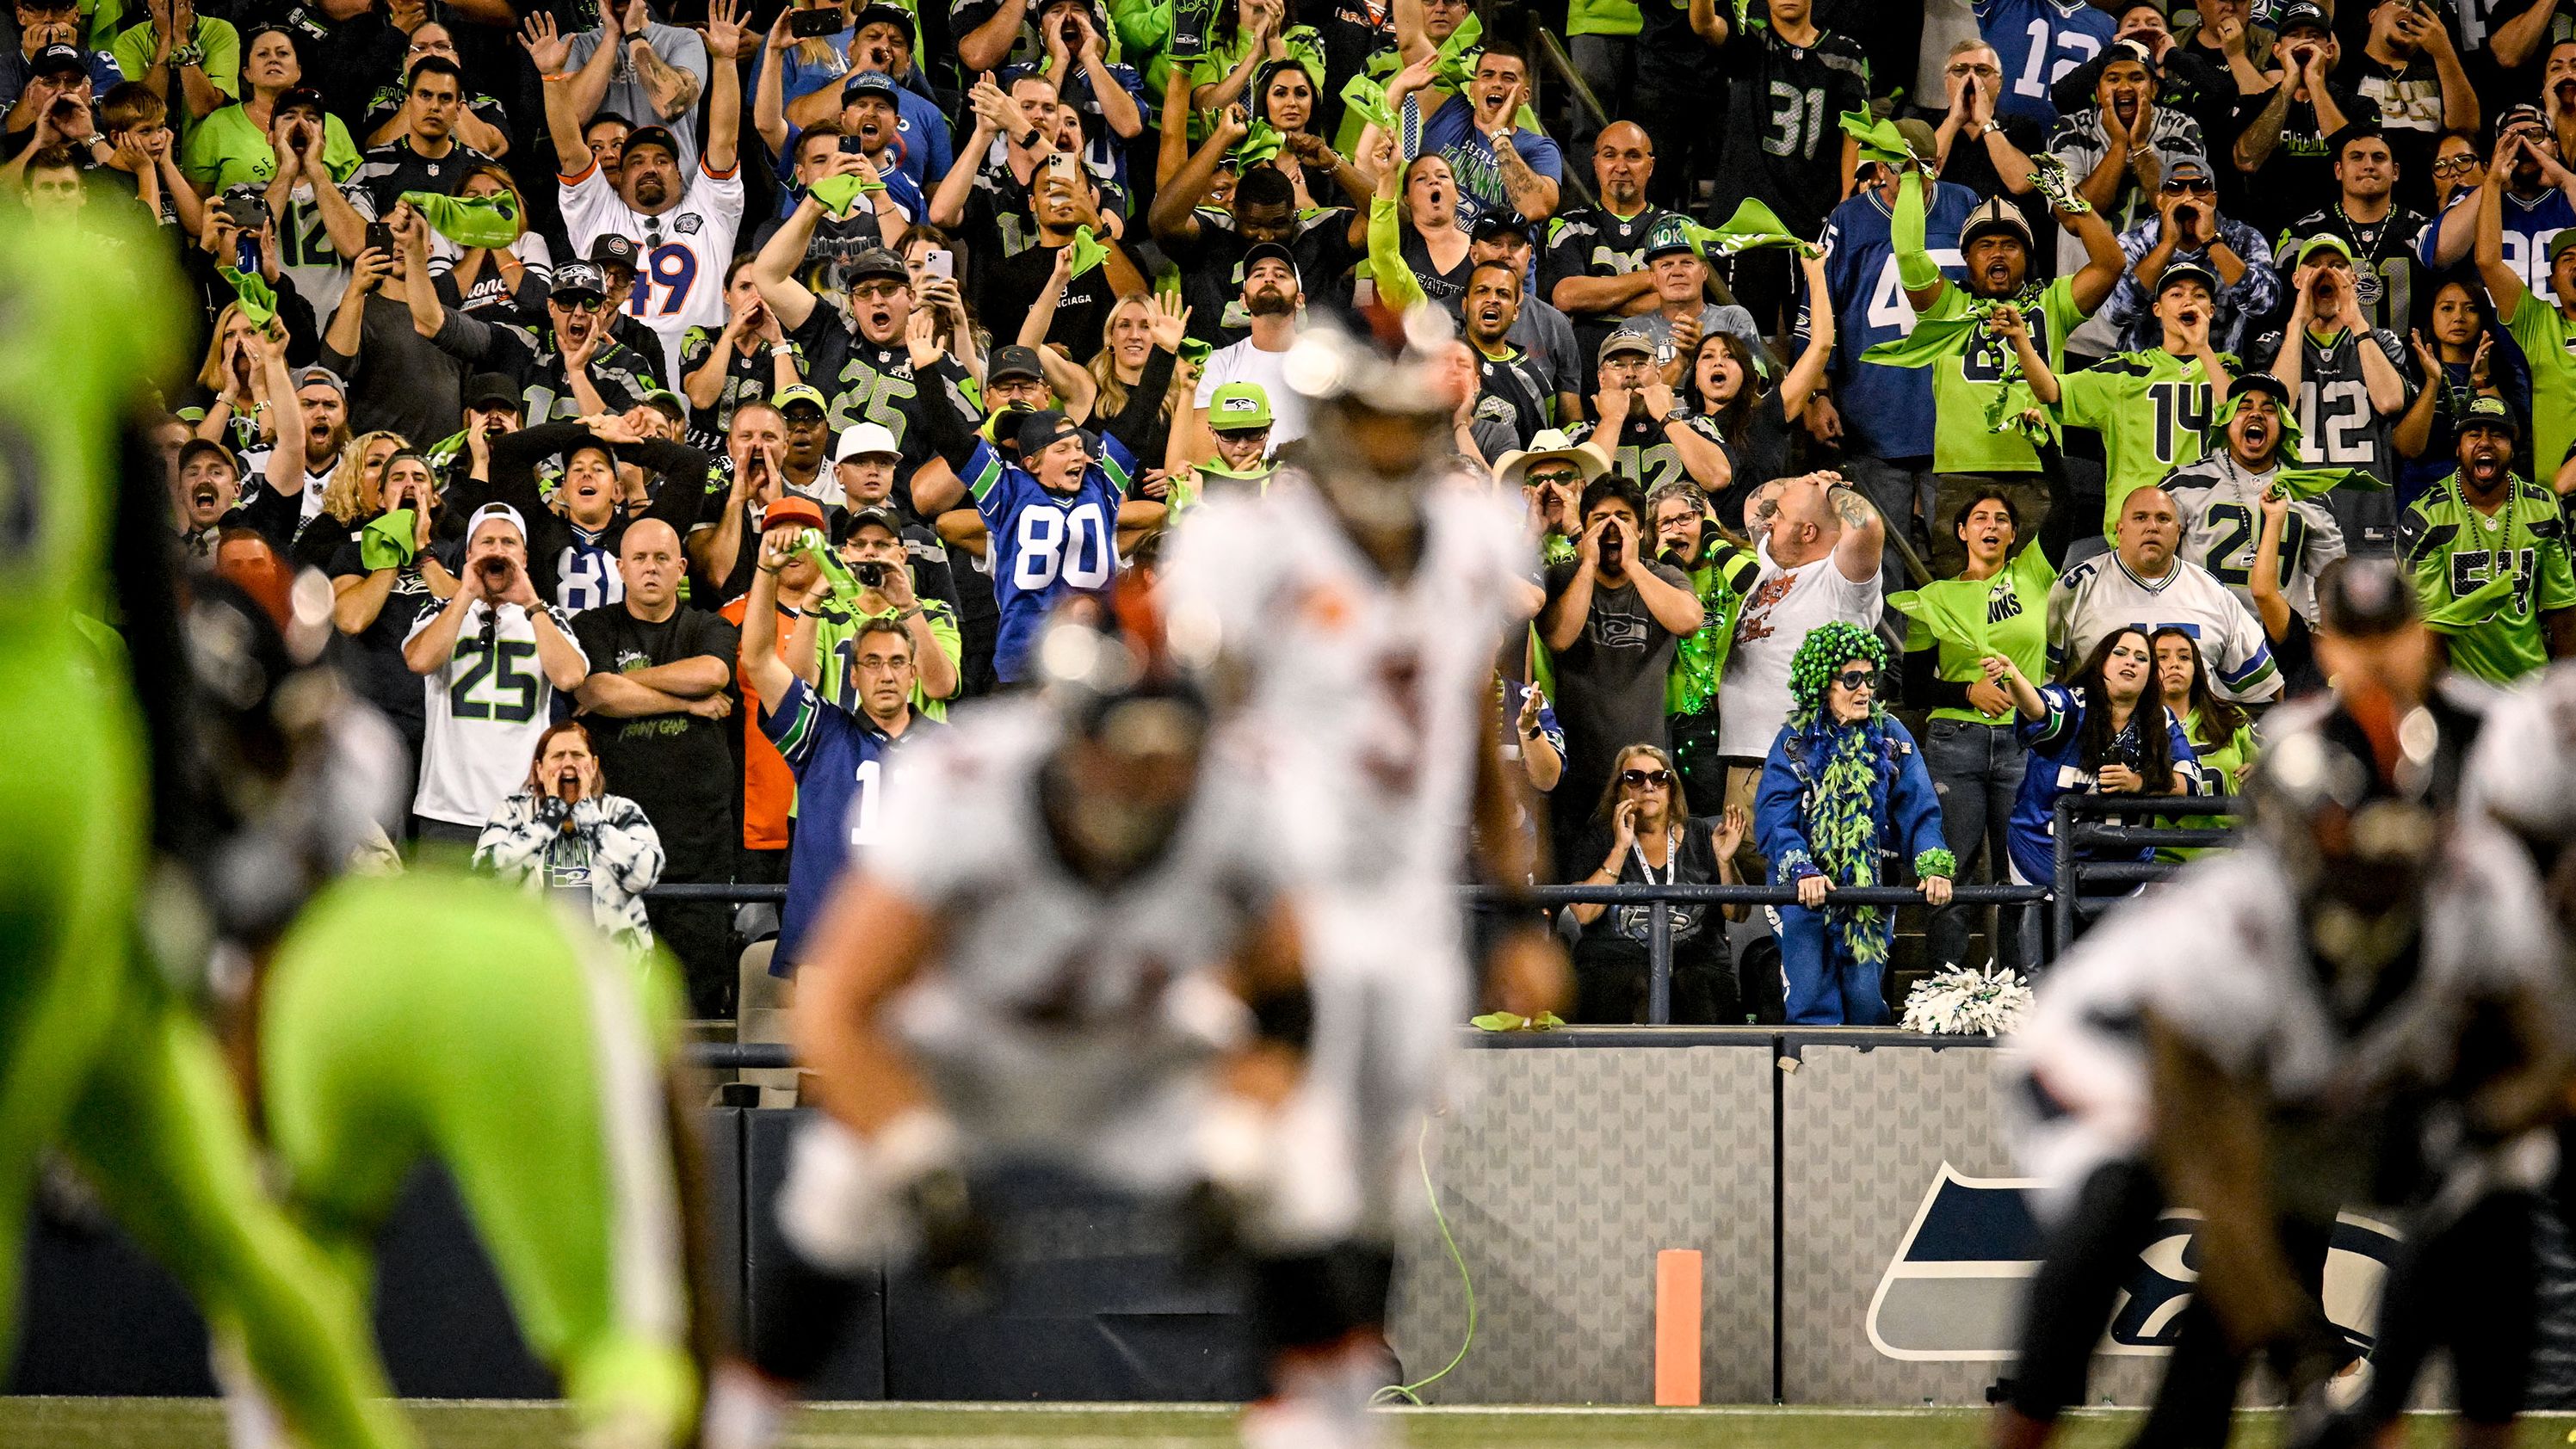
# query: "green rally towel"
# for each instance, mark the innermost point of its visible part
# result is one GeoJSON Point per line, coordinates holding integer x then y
{"type": "Point", "coordinates": [2318, 482]}
{"type": "Point", "coordinates": [258, 298]}
{"type": "Point", "coordinates": [827, 559]}
{"type": "Point", "coordinates": [1259, 144]}
{"type": "Point", "coordinates": [839, 193]}
{"type": "Point", "coordinates": [469, 221]}
{"type": "Point", "coordinates": [1455, 67]}
{"type": "Point", "coordinates": [1879, 139]}
{"type": "Point", "coordinates": [2225, 413]}
{"type": "Point", "coordinates": [1754, 225]}
{"type": "Point", "coordinates": [1962, 628]}
{"type": "Point", "coordinates": [1088, 252]}
{"type": "Point", "coordinates": [1368, 98]}
{"type": "Point", "coordinates": [386, 543]}
{"type": "Point", "coordinates": [1195, 352]}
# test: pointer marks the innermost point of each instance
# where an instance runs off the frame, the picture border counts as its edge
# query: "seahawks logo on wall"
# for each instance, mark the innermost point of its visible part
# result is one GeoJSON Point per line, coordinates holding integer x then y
{"type": "Point", "coordinates": [1953, 1291]}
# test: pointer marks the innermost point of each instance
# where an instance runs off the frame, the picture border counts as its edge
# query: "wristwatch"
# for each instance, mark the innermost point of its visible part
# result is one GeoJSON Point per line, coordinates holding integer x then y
{"type": "Point", "coordinates": [1029, 141]}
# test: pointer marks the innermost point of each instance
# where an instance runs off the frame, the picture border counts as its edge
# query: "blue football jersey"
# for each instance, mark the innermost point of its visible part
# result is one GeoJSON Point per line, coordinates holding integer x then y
{"type": "Point", "coordinates": [840, 764]}
{"type": "Point", "coordinates": [2037, 42]}
{"type": "Point", "coordinates": [2055, 766]}
{"type": "Point", "coordinates": [1045, 545]}
{"type": "Point", "coordinates": [1887, 411]}
{"type": "Point", "coordinates": [2528, 227]}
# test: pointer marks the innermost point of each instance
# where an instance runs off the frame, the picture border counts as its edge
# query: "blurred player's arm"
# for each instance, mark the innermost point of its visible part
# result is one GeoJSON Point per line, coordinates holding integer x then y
{"type": "Point", "coordinates": [869, 943]}
{"type": "Point", "coordinates": [1526, 972]}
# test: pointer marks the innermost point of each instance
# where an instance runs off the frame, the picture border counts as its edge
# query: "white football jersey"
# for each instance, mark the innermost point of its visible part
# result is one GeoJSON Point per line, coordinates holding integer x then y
{"type": "Point", "coordinates": [679, 279]}
{"type": "Point", "coordinates": [2100, 595]}
{"type": "Point", "coordinates": [1063, 1020]}
{"type": "Point", "coordinates": [2522, 772]}
{"type": "Point", "coordinates": [1365, 694]}
{"type": "Point", "coordinates": [487, 706]}
{"type": "Point", "coordinates": [2221, 503]}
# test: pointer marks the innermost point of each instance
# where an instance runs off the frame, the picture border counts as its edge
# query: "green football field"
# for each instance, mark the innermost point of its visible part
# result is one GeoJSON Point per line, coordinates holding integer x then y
{"type": "Point", "coordinates": [197, 1424]}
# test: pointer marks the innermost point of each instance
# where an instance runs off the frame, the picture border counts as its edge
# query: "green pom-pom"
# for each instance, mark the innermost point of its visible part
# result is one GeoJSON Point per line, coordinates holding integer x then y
{"type": "Point", "coordinates": [1825, 650]}
{"type": "Point", "coordinates": [1935, 862]}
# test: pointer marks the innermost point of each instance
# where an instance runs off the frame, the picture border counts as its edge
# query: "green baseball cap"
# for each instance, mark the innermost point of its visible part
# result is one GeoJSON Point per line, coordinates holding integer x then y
{"type": "Point", "coordinates": [800, 393]}
{"type": "Point", "coordinates": [2324, 243]}
{"type": "Point", "coordinates": [1238, 407]}
{"type": "Point", "coordinates": [2565, 238]}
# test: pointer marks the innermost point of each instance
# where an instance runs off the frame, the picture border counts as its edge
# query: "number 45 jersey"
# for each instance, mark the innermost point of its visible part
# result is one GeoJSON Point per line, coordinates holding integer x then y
{"type": "Point", "coordinates": [1363, 693]}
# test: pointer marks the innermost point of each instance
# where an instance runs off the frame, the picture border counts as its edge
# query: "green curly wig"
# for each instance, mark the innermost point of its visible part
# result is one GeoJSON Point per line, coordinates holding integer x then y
{"type": "Point", "coordinates": [1826, 649]}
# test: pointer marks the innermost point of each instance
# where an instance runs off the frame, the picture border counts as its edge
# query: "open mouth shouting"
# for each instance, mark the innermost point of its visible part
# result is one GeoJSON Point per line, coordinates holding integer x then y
{"type": "Point", "coordinates": [2488, 459]}
{"type": "Point", "coordinates": [2258, 432]}
{"type": "Point", "coordinates": [1490, 314]}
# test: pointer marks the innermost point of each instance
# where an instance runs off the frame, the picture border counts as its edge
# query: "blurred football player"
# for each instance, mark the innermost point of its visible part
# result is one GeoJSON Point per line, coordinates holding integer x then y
{"type": "Point", "coordinates": [99, 1056]}
{"type": "Point", "coordinates": [1350, 617]}
{"type": "Point", "coordinates": [1065, 948]}
{"type": "Point", "coordinates": [2078, 1091]}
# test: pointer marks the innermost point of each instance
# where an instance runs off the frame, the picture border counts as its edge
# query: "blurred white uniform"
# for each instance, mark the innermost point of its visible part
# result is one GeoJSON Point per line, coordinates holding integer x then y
{"type": "Point", "coordinates": [2522, 772]}
{"type": "Point", "coordinates": [1364, 701]}
{"type": "Point", "coordinates": [1061, 1022]}
{"type": "Point", "coordinates": [2220, 955]}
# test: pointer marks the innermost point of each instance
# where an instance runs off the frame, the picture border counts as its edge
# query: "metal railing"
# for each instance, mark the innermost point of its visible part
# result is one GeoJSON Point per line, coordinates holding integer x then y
{"type": "Point", "coordinates": [2076, 830]}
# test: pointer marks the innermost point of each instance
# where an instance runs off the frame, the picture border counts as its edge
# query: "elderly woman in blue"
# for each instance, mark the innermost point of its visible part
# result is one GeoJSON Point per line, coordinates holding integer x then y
{"type": "Point", "coordinates": [1843, 790]}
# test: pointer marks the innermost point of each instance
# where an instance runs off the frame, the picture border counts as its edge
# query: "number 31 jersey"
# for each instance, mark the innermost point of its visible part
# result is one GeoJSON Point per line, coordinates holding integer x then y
{"type": "Point", "coordinates": [680, 280]}
{"type": "Point", "coordinates": [1365, 693]}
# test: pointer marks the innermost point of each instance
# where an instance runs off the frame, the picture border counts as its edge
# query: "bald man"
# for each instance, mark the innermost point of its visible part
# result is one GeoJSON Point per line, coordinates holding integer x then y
{"type": "Point", "coordinates": [659, 695]}
{"type": "Point", "coordinates": [1594, 270]}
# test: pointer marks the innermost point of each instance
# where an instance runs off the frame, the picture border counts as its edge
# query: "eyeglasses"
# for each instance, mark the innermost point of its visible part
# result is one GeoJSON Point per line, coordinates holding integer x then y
{"type": "Point", "coordinates": [2189, 188]}
{"type": "Point", "coordinates": [1631, 779]}
{"type": "Point", "coordinates": [1966, 69]}
{"type": "Point", "coordinates": [1857, 680]}
{"type": "Point", "coordinates": [2455, 165]}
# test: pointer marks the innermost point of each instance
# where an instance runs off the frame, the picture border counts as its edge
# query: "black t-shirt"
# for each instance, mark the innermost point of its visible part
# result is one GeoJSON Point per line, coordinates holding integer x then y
{"type": "Point", "coordinates": [2391, 280]}
{"type": "Point", "coordinates": [1212, 271]}
{"type": "Point", "coordinates": [1441, 288]}
{"type": "Point", "coordinates": [1618, 934]}
{"type": "Point", "coordinates": [1013, 285]}
{"type": "Point", "coordinates": [2298, 177]}
{"type": "Point", "coordinates": [1594, 242]}
{"type": "Point", "coordinates": [1783, 144]}
{"type": "Point", "coordinates": [372, 659]}
{"type": "Point", "coordinates": [1610, 683]}
{"type": "Point", "coordinates": [679, 767]}
{"type": "Point", "coordinates": [1757, 455]}
{"type": "Point", "coordinates": [2409, 98]}
{"type": "Point", "coordinates": [1511, 393]}
{"type": "Point", "coordinates": [835, 239]}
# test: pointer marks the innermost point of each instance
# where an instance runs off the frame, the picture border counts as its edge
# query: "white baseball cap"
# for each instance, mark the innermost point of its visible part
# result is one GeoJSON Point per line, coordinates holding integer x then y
{"type": "Point", "coordinates": [865, 440]}
{"type": "Point", "coordinates": [496, 513]}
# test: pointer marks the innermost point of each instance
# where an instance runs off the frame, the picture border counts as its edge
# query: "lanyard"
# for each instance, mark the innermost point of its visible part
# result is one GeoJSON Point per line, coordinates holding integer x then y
{"type": "Point", "coordinates": [1672, 859]}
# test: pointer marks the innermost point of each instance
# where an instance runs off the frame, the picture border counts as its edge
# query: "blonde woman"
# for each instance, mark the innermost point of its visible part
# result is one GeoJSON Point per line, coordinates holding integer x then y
{"type": "Point", "coordinates": [1137, 391]}
{"type": "Point", "coordinates": [354, 496]}
{"type": "Point", "coordinates": [1642, 833]}
{"type": "Point", "coordinates": [233, 386]}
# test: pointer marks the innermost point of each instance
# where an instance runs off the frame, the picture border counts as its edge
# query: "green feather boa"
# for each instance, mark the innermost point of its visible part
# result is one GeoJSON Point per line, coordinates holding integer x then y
{"type": "Point", "coordinates": [1841, 835]}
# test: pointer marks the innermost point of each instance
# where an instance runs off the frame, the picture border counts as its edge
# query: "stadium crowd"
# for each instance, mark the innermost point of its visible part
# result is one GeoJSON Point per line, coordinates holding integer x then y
{"type": "Point", "coordinates": [2014, 366]}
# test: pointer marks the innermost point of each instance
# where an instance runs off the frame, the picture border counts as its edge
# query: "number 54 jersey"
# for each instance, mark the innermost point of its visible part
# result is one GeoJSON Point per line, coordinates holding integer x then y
{"type": "Point", "coordinates": [1363, 693]}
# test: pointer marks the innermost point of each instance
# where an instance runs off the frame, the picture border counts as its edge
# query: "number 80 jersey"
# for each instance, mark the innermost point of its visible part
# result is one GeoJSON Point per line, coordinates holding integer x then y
{"type": "Point", "coordinates": [1045, 545]}
{"type": "Point", "coordinates": [680, 280]}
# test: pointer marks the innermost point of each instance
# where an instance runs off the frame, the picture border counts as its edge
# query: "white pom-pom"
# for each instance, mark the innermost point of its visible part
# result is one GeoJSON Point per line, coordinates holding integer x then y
{"type": "Point", "coordinates": [1963, 1001]}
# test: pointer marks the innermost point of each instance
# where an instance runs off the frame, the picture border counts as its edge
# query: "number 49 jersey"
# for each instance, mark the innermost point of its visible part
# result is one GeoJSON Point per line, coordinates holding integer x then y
{"type": "Point", "coordinates": [679, 281]}
{"type": "Point", "coordinates": [1064, 1020]}
{"type": "Point", "coordinates": [1045, 545]}
{"type": "Point", "coordinates": [1365, 693]}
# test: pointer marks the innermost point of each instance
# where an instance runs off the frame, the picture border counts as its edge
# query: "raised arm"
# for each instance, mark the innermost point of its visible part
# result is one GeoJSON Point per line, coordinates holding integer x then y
{"type": "Point", "coordinates": [1916, 272]}
{"type": "Point", "coordinates": [1799, 383]}
{"type": "Point", "coordinates": [726, 36]}
{"type": "Point", "coordinates": [2103, 260]}
{"type": "Point", "coordinates": [2504, 284]}
{"type": "Point", "coordinates": [1173, 216]}
{"type": "Point", "coordinates": [762, 669]}
{"type": "Point", "coordinates": [1864, 540]}
{"type": "Point", "coordinates": [2255, 144]}
{"type": "Point", "coordinates": [773, 272]}
{"type": "Point", "coordinates": [768, 94]}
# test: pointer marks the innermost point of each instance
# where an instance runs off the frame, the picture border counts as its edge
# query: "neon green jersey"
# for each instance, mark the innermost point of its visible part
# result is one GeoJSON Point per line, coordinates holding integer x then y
{"type": "Point", "coordinates": [87, 315]}
{"type": "Point", "coordinates": [1972, 618]}
{"type": "Point", "coordinates": [836, 627]}
{"type": "Point", "coordinates": [2485, 579]}
{"type": "Point", "coordinates": [1965, 380]}
{"type": "Point", "coordinates": [2544, 334]}
{"type": "Point", "coordinates": [2150, 408]}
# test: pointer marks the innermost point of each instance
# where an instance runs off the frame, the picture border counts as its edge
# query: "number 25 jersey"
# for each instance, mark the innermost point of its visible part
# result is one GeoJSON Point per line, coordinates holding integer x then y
{"type": "Point", "coordinates": [486, 707]}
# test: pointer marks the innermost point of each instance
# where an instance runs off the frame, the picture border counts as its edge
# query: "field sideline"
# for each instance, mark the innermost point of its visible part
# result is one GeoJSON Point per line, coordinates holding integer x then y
{"type": "Point", "coordinates": [197, 1424]}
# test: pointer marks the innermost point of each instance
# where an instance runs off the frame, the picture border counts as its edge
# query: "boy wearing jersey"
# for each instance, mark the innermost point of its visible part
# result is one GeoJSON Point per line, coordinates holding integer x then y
{"type": "Point", "coordinates": [2151, 408]}
{"type": "Point", "coordinates": [493, 660]}
{"type": "Point", "coordinates": [2350, 382]}
{"type": "Point", "coordinates": [840, 755]}
{"type": "Point", "coordinates": [2489, 556]}
{"type": "Point", "coordinates": [2143, 585]}
{"type": "Point", "coordinates": [686, 224]}
{"type": "Point", "coordinates": [2542, 329]}
{"type": "Point", "coordinates": [1051, 519]}
{"type": "Point", "coordinates": [1970, 363]}
{"type": "Point", "coordinates": [2221, 501]}
{"type": "Point", "coordinates": [1640, 429]}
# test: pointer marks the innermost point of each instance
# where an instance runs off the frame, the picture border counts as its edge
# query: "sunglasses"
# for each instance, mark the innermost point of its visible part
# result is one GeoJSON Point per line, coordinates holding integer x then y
{"type": "Point", "coordinates": [1975, 70]}
{"type": "Point", "coordinates": [2455, 165]}
{"type": "Point", "coordinates": [1634, 778]}
{"type": "Point", "coordinates": [1857, 680]}
{"type": "Point", "coordinates": [2188, 188]}
{"type": "Point", "coordinates": [1551, 478]}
